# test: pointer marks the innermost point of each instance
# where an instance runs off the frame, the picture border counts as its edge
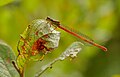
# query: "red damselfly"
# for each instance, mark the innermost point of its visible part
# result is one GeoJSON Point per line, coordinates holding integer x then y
{"type": "Point", "coordinates": [57, 24]}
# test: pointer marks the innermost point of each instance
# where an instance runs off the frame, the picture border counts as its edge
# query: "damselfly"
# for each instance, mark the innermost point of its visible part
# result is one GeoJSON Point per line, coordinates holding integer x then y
{"type": "Point", "coordinates": [57, 24]}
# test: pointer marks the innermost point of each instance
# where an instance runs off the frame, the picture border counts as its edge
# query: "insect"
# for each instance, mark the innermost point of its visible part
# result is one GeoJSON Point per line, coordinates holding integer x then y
{"type": "Point", "coordinates": [57, 24]}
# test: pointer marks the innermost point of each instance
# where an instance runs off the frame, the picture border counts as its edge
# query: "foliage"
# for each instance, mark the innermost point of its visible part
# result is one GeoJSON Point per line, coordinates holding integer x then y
{"type": "Point", "coordinates": [6, 58]}
{"type": "Point", "coordinates": [37, 40]}
{"type": "Point", "coordinates": [97, 18]}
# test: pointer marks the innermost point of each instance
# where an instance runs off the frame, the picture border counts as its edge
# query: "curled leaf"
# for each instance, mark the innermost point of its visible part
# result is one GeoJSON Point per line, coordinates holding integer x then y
{"type": "Point", "coordinates": [38, 39]}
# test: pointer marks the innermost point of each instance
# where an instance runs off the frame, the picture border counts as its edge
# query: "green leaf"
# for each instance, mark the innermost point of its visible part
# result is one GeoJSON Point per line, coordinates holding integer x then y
{"type": "Point", "coordinates": [37, 40]}
{"type": "Point", "coordinates": [6, 58]}
{"type": "Point", "coordinates": [4, 2]}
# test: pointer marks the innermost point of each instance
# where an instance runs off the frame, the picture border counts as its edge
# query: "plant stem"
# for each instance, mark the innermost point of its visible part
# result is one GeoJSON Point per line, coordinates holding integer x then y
{"type": "Point", "coordinates": [20, 72]}
{"type": "Point", "coordinates": [44, 68]}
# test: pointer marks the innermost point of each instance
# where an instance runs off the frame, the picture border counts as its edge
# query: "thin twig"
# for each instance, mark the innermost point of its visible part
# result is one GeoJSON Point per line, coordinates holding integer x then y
{"type": "Point", "coordinates": [44, 68]}
{"type": "Point", "coordinates": [21, 73]}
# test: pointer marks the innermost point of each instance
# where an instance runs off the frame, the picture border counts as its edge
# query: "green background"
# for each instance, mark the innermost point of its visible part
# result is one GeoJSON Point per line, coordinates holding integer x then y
{"type": "Point", "coordinates": [99, 19]}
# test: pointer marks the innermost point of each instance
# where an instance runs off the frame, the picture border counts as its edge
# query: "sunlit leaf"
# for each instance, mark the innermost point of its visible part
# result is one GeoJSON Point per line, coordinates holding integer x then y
{"type": "Point", "coordinates": [6, 58]}
{"type": "Point", "coordinates": [38, 39]}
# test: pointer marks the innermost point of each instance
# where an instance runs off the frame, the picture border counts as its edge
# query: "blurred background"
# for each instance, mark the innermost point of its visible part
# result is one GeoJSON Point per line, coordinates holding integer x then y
{"type": "Point", "coordinates": [99, 19]}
